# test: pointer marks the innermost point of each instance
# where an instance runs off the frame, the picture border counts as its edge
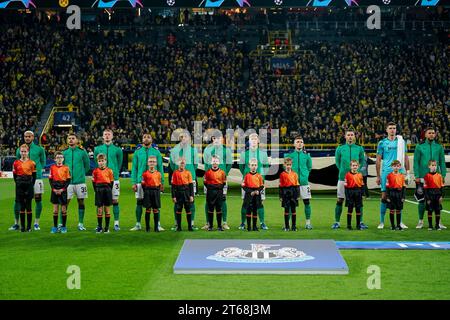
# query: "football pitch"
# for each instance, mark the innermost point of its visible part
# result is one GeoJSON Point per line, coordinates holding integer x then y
{"type": "Point", "coordinates": [139, 265]}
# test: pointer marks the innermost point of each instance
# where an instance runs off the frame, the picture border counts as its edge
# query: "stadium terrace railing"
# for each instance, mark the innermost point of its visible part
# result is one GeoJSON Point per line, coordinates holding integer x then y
{"type": "Point", "coordinates": [386, 24]}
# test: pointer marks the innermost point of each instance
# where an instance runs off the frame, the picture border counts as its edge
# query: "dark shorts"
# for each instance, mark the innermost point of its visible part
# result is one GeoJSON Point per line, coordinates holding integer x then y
{"type": "Point", "coordinates": [396, 202]}
{"type": "Point", "coordinates": [24, 190]}
{"type": "Point", "coordinates": [152, 198]}
{"type": "Point", "coordinates": [59, 199]}
{"type": "Point", "coordinates": [214, 198]}
{"type": "Point", "coordinates": [182, 195]}
{"type": "Point", "coordinates": [252, 202]}
{"type": "Point", "coordinates": [432, 200]}
{"type": "Point", "coordinates": [103, 196]}
{"type": "Point", "coordinates": [289, 197]}
{"type": "Point", "coordinates": [353, 198]}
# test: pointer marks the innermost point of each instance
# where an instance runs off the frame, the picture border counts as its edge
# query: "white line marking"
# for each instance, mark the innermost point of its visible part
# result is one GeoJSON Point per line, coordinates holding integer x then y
{"type": "Point", "coordinates": [413, 202]}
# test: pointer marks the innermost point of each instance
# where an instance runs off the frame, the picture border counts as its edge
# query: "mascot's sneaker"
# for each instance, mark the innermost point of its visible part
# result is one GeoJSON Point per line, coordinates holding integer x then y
{"type": "Point", "coordinates": [381, 226]}
{"type": "Point", "coordinates": [14, 227]}
{"type": "Point", "coordinates": [419, 225]}
{"type": "Point", "coordinates": [442, 226]}
{"type": "Point", "coordinates": [136, 228]}
{"type": "Point", "coordinates": [335, 225]}
{"type": "Point", "coordinates": [404, 226]}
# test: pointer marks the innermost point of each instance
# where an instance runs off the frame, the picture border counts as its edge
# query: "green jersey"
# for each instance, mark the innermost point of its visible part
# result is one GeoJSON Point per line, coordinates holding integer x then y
{"type": "Point", "coordinates": [346, 153]}
{"type": "Point", "coordinates": [114, 157]}
{"type": "Point", "coordinates": [188, 152]}
{"type": "Point", "coordinates": [224, 154]}
{"type": "Point", "coordinates": [425, 152]}
{"type": "Point", "coordinates": [261, 156]}
{"type": "Point", "coordinates": [140, 163]}
{"type": "Point", "coordinates": [37, 154]}
{"type": "Point", "coordinates": [301, 164]}
{"type": "Point", "coordinates": [78, 162]}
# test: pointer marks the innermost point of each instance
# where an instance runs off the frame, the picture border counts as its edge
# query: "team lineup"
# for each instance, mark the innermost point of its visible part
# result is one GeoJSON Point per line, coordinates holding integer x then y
{"type": "Point", "coordinates": [67, 178]}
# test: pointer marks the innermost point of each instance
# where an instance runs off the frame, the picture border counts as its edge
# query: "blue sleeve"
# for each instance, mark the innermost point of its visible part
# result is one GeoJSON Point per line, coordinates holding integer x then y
{"type": "Point", "coordinates": [380, 149]}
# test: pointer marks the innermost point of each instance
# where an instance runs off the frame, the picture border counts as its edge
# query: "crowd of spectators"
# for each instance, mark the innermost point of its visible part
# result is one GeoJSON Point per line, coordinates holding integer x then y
{"type": "Point", "coordinates": [362, 85]}
{"type": "Point", "coordinates": [27, 74]}
{"type": "Point", "coordinates": [138, 86]}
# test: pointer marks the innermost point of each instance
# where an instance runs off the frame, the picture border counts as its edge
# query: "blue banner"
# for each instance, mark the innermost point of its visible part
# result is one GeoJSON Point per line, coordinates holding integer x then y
{"type": "Point", "coordinates": [392, 245]}
{"type": "Point", "coordinates": [282, 63]}
{"type": "Point", "coordinates": [64, 118]}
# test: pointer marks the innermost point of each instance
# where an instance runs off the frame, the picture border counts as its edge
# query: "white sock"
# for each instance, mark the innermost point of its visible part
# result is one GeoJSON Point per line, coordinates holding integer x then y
{"type": "Point", "coordinates": [308, 221]}
{"type": "Point", "coordinates": [116, 223]}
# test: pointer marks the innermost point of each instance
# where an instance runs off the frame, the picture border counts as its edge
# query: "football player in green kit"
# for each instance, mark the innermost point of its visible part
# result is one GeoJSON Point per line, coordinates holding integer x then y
{"type": "Point", "coordinates": [184, 149]}
{"type": "Point", "coordinates": [302, 165]}
{"type": "Point", "coordinates": [217, 148]}
{"type": "Point", "coordinates": [114, 160]}
{"type": "Point", "coordinates": [77, 159]}
{"type": "Point", "coordinates": [263, 168]}
{"type": "Point", "coordinates": [345, 153]}
{"type": "Point", "coordinates": [139, 166]}
{"type": "Point", "coordinates": [37, 154]}
{"type": "Point", "coordinates": [428, 150]}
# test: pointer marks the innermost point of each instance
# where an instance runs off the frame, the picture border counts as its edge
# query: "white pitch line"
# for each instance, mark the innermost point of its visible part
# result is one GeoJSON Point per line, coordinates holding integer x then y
{"type": "Point", "coordinates": [413, 202]}
{"type": "Point", "coordinates": [274, 197]}
{"type": "Point", "coordinates": [271, 197]}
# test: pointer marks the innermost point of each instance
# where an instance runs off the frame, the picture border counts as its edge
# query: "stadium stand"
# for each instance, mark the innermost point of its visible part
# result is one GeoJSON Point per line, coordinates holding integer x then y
{"type": "Point", "coordinates": [153, 76]}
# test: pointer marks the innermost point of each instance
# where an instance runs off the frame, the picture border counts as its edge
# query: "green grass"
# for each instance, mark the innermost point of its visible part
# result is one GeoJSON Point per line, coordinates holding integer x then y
{"type": "Point", "coordinates": [127, 265]}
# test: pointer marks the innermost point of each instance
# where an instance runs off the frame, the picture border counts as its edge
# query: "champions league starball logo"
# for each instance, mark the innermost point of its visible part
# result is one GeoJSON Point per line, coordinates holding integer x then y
{"type": "Point", "coordinates": [109, 4]}
{"type": "Point", "coordinates": [261, 253]}
{"type": "Point", "coordinates": [26, 3]}
{"type": "Point", "coordinates": [218, 3]}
